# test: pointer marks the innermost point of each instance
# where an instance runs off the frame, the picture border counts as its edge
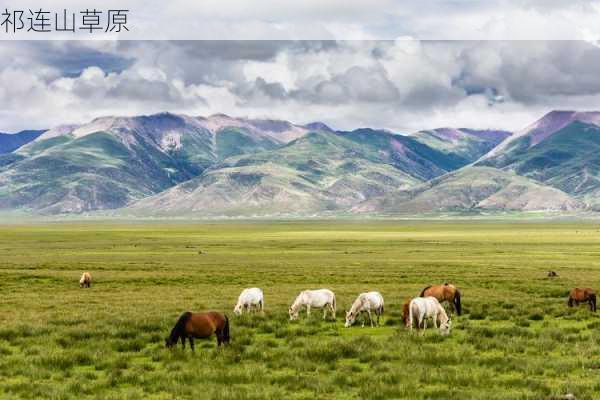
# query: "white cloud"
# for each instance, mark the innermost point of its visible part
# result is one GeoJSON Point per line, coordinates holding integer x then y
{"type": "Point", "coordinates": [403, 85]}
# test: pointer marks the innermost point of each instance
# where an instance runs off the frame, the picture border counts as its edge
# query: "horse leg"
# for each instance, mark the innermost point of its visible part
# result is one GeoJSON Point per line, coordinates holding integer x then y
{"type": "Point", "coordinates": [435, 321]}
{"type": "Point", "coordinates": [325, 312]}
{"type": "Point", "coordinates": [370, 317]}
{"type": "Point", "coordinates": [182, 342]}
{"type": "Point", "coordinates": [308, 310]}
{"type": "Point", "coordinates": [332, 311]}
{"type": "Point", "coordinates": [191, 339]}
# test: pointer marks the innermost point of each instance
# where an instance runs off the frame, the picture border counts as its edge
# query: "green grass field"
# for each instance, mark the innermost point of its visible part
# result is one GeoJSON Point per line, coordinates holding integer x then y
{"type": "Point", "coordinates": [516, 339]}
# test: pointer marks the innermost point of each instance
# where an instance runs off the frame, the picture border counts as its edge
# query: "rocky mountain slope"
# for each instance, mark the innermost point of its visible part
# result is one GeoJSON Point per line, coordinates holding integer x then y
{"type": "Point", "coordinates": [560, 150]}
{"type": "Point", "coordinates": [111, 162]}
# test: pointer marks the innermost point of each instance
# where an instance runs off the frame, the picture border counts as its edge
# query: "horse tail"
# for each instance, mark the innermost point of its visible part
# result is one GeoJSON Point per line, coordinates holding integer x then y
{"type": "Point", "coordinates": [226, 336]}
{"type": "Point", "coordinates": [179, 328]}
{"type": "Point", "coordinates": [410, 315]}
{"type": "Point", "coordinates": [334, 306]}
{"type": "Point", "coordinates": [457, 304]}
{"type": "Point", "coordinates": [423, 291]}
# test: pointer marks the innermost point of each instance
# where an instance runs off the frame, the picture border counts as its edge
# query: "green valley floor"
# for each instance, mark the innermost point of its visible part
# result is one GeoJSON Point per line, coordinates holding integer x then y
{"type": "Point", "coordinates": [516, 339]}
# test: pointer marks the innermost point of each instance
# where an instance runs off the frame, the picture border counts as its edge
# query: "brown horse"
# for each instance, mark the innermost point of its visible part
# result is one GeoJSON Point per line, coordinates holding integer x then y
{"type": "Point", "coordinates": [199, 326]}
{"type": "Point", "coordinates": [583, 295]}
{"type": "Point", "coordinates": [444, 292]}
{"type": "Point", "coordinates": [405, 313]}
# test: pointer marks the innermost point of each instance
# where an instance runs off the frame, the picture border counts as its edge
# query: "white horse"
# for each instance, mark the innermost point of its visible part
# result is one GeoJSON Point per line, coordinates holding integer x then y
{"type": "Point", "coordinates": [321, 298]}
{"type": "Point", "coordinates": [250, 298]}
{"type": "Point", "coordinates": [421, 308]}
{"type": "Point", "coordinates": [365, 302]}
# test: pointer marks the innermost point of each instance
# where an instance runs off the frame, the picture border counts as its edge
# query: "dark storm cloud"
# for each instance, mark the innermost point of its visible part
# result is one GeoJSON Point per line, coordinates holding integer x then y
{"type": "Point", "coordinates": [531, 72]}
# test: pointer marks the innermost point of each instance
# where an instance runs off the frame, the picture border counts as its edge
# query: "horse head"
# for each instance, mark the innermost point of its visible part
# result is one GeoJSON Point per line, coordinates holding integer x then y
{"type": "Point", "coordinates": [169, 343]}
{"type": "Point", "coordinates": [350, 318]}
{"type": "Point", "coordinates": [237, 310]}
{"type": "Point", "coordinates": [293, 314]}
{"type": "Point", "coordinates": [445, 327]}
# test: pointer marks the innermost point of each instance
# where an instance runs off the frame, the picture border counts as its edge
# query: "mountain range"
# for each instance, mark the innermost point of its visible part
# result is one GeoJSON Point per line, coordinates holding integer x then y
{"type": "Point", "coordinates": [167, 165]}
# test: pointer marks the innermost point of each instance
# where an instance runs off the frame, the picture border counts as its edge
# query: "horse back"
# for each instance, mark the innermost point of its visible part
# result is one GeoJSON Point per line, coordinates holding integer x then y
{"type": "Point", "coordinates": [581, 294]}
{"type": "Point", "coordinates": [203, 325]}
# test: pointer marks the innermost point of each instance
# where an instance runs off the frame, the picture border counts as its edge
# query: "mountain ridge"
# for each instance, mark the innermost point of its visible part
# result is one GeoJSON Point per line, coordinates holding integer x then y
{"type": "Point", "coordinates": [172, 164]}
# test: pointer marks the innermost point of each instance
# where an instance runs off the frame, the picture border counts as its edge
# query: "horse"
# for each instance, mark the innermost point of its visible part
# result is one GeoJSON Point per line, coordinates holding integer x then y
{"type": "Point", "coordinates": [86, 280]}
{"type": "Point", "coordinates": [445, 292]}
{"type": "Point", "coordinates": [421, 308]}
{"type": "Point", "coordinates": [321, 298]}
{"type": "Point", "coordinates": [583, 295]}
{"type": "Point", "coordinates": [365, 302]}
{"type": "Point", "coordinates": [249, 298]}
{"type": "Point", "coordinates": [552, 274]}
{"type": "Point", "coordinates": [199, 326]}
{"type": "Point", "coordinates": [405, 313]}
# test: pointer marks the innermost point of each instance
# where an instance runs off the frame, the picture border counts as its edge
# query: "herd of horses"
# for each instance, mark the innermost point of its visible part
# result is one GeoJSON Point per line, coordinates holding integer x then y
{"type": "Point", "coordinates": [415, 312]}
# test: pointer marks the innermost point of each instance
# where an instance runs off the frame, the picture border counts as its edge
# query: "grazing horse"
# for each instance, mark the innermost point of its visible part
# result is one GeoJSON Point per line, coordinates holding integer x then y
{"type": "Point", "coordinates": [199, 326]}
{"type": "Point", "coordinates": [552, 274]}
{"type": "Point", "coordinates": [445, 292]}
{"type": "Point", "coordinates": [421, 308]}
{"type": "Point", "coordinates": [364, 303]}
{"type": "Point", "coordinates": [583, 295]}
{"type": "Point", "coordinates": [86, 280]}
{"type": "Point", "coordinates": [250, 298]}
{"type": "Point", "coordinates": [321, 298]}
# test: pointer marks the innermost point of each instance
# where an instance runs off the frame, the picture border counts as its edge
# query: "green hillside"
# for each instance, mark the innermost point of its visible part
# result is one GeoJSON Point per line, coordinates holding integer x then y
{"type": "Point", "coordinates": [567, 160]}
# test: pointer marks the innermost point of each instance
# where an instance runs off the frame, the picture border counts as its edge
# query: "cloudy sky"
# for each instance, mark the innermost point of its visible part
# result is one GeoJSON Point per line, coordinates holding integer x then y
{"type": "Point", "coordinates": [403, 85]}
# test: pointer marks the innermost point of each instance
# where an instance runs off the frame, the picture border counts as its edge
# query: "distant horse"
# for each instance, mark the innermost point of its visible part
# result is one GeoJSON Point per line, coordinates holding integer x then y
{"type": "Point", "coordinates": [321, 298]}
{"type": "Point", "coordinates": [422, 308]}
{"type": "Point", "coordinates": [365, 303]}
{"type": "Point", "coordinates": [445, 292]}
{"type": "Point", "coordinates": [86, 280]}
{"type": "Point", "coordinates": [199, 326]}
{"type": "Point", "coordinates": [250, 298]}
{"type": "Point", "coordinates": [583, 295]}
{"type": "Point", "coordinates": [552, 274]}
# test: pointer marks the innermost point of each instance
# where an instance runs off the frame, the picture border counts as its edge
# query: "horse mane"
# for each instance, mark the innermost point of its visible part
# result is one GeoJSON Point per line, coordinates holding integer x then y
{"type": "Point", "coordinates": [423, 291]}
{"type": "Point", "coordinates": [360, 301]}
{"type": "Point", "coordinates": [179, 327]}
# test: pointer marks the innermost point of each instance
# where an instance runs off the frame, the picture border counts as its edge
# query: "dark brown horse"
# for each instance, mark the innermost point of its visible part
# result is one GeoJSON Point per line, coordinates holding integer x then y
{"type": "Point", "coordinates": [199, 326]}
{"type": "Point", "coordinates": [583, 295]}
{"type": "Point", "coordinates": [444, 292]}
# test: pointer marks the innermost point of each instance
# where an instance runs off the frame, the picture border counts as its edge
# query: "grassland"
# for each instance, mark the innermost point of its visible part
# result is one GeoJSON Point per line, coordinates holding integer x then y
{"type": "Point", "coordinates": [516, 340]}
